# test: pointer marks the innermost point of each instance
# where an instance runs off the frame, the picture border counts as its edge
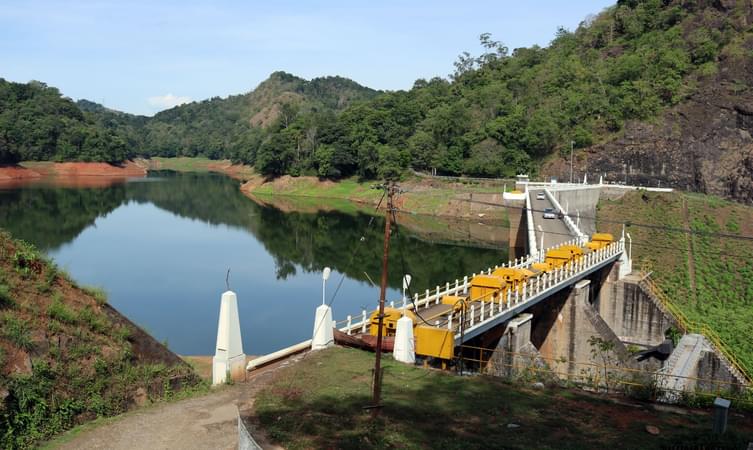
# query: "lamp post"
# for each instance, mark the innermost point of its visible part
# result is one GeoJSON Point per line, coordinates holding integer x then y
{"type": "Point", "coordinates": [541, 250]}
{"type": "Point", "coordinates": [572, 143]}
{"type": "Point", "coordinates": [325, 277]}
{"type": "Point", "coordinates": [406, 284]}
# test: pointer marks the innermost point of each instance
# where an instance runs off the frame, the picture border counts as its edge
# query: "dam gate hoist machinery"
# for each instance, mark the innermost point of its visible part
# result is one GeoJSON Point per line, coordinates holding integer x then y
{"type": "Point", "coordinates": [434, 339]}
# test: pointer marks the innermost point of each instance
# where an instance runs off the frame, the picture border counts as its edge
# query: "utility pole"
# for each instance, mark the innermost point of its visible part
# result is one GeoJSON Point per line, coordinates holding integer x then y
{"type": "Point", "coordinates": [572, 143]}
{"type": "Point", "coordinates": [390, 189]}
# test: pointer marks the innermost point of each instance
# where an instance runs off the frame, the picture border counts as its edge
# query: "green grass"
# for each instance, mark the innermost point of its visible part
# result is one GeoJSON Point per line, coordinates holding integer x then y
{"type": "Point", "coordinates": [97, 292]}
{"type": "Point", "coordinates": [319, 403]}
{"type": "Point", "coordinates": [723, 294]}
{"type": "Point", "coordinates": [16, 330]}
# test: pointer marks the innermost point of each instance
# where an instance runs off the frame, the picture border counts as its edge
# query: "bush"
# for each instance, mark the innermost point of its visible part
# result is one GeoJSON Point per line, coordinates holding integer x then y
{"type": "Point", "coordinates": [26, 258]}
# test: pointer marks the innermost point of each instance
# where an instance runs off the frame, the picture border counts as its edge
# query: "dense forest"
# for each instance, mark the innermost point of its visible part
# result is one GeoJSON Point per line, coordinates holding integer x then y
{"type": "Point", "coordinates": [500, 112]}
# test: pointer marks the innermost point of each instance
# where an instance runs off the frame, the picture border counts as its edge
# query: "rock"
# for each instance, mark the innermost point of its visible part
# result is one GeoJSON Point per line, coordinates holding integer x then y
{"type": "Point", "coordinates": [702, 144]}
{"type": "Point", "coordinates": [20, 362]}
{"type": "Point", "coordinates": [538, 385]}
{"type": "Point", "coordinates": [652, 430]}
{"type": "Point", "coordinates": [140, 397]}
{"type": "Point", "coordinates": [513, 425]}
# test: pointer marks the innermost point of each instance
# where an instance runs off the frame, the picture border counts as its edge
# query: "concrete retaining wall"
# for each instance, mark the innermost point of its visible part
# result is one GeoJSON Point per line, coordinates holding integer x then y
{"type": "Point", "coordinates": [631, 314]}
{"type": "Point", "coordinates": [580, 200]}
{"type": "Point", "coordinates": [245, 440]}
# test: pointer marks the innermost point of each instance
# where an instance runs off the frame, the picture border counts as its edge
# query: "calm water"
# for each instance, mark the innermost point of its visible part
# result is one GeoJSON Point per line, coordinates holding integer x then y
{"type": "Point", "coordinates": [161, 247]}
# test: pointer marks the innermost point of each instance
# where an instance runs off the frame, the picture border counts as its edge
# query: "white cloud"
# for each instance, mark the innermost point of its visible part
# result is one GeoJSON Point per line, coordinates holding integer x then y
{"type": "Point", "coordinates": [167, 101]}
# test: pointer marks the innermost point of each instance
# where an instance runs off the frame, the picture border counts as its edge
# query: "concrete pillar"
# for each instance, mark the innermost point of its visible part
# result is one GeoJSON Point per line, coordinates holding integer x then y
{"type": "Point", "coordinates": [516, 203]}
{"type": "Point", "coordinates": [514, 352]}
{"type": "Point", "coordinates": [229, 359]}
{"type": "Point", "coordinates": [323, 324]}
{"type": "Point", "coordinates": [405, 346]}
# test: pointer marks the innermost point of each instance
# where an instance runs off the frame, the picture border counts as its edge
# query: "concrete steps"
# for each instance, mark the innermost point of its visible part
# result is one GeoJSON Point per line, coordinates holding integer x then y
{"type": "Point", "coordinates": [648, 291]}
{"type": "Point", "coordinates": [682, 366]}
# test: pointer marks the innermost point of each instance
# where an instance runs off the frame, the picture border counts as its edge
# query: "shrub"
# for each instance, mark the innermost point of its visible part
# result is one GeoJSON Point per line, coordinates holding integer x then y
{"type": "Point", "coordinates": [26, 258]}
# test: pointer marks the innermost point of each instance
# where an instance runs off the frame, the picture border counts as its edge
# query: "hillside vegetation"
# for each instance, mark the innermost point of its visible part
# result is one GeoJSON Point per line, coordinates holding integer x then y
{"type": "Point", "coordinates": [66, 356]}
{"type": "Point", "coordinates": [501, 112]}
{"type": "Point", "coordinates": [709, 277]}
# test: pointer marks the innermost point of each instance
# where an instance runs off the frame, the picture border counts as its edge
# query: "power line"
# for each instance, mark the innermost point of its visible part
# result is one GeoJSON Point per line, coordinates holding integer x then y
{"type": "Point", "coordinates": [628, 223]}
{"type": "Point", "coordinates": [640, 243]}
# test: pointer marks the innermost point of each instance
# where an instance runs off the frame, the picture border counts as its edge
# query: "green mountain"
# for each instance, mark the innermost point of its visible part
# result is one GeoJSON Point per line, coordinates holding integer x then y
{"type": "Point", "coordinates": [234, 127]}
{"type": "Point", "coordinates": [628, 91]}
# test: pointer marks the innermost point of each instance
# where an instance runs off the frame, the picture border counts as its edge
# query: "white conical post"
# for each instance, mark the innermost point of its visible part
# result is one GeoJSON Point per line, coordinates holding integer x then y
{"type": "Point", "coordinates": [483, 308]}
{"type": "Point", "coordinates": [363, 321]}
{"type": "Point", "coordinates": [405, 345]}
{"type": "Point", "coordinates": [322, 336]}
{"type": "Point", "coordinates": [229, 359]}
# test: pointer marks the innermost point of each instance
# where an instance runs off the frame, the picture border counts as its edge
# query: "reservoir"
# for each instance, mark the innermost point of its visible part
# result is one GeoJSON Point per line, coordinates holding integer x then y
{"type": "Point", "coordinates": [161, 247]}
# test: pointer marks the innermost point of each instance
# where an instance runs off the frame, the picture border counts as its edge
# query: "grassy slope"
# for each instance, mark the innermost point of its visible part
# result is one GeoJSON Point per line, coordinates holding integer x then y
{"type": "Point", "coordinates": [318, 403]}
{"type": "Point", "coordinates": [426, 197]}
{"type": "Point", "coordinates": [66, 357]}
{"type": "Point", "coordinates": [721, 269]}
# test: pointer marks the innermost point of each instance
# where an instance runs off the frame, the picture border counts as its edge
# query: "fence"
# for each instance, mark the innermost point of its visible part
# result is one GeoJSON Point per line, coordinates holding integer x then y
{"type": "Point", "coordinates": [534, 287]}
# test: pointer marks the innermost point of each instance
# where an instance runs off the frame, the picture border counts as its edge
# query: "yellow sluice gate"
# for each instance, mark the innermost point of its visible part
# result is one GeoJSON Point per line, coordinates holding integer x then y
{"type": "Point", "coordinates": [599, 241]}
{"type": "Point", "coordinates": [486, 288]}
{"type": "Point", "coordinates": [389, 323]}
{"type": "Point", "coordinates": [434, 341]}
{"type": "Point", "coordinates": [514, 278]}
{"type": "Point", "coordinates": [439, 341]}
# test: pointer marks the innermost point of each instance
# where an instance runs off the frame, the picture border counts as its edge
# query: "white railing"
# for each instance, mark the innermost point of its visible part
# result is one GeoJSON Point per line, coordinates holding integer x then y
{"type": "Point", "coordinates": [534, 287]}
{"type": "Point", "coordinates": [537, 286]}
{"type": "Point", "coordinates": [582, 238]}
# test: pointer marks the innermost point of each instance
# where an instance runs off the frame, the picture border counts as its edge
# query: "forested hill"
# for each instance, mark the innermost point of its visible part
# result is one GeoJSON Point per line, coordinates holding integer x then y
{"type": "Point", "coordinates": [500, 112]}
{"type": "Point", "coordinates": [37, 123]}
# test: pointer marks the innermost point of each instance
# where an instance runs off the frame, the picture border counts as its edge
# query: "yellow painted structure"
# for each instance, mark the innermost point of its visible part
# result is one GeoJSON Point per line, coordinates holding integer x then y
{"type": "Point", "coordinates": [599, 241]}
{"type": "Point", "coordinates": [435, 342]}
{"type": "Point", "coordinates": [455, 301]}
{"type": "Point", "coordinates": [486, 288]}
{"type": "Point", "coordinates": [557, 258]}
{"type": "Point", "coordinates": [389, 323]}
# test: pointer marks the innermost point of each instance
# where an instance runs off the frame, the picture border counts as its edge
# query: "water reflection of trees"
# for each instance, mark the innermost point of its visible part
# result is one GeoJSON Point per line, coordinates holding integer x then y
{"type": "Point", "coordinates": [51, 217]}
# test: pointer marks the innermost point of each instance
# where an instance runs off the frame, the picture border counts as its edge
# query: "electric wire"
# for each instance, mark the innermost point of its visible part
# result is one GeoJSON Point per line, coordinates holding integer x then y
{"type": "Point", "coordinates": [628, 223]}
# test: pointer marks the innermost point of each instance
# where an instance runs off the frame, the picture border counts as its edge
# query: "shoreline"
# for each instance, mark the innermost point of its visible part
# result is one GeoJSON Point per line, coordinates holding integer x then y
{"type": "Point", "coordinates": [474, 201]}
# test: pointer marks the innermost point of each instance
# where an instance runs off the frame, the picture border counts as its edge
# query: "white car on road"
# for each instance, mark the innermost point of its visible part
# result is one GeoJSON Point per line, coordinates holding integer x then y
{"type": "Point", "coordinates": [549, 213]}
{"type": "Point", "coordinates": [540, 196]}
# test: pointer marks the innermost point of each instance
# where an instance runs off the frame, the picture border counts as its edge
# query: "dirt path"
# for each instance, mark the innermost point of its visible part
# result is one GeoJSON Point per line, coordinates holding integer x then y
{"type": "Point", "coordinates": [206, 422]}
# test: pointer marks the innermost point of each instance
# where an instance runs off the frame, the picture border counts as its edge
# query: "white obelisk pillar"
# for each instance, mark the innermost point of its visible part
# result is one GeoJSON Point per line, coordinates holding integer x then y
{"type": "Point", "coordinates": [405, 345]}
{"type": "Point", "coordinates": [229, 359]}
{"type": "Point", "coordinates": [323, 336]}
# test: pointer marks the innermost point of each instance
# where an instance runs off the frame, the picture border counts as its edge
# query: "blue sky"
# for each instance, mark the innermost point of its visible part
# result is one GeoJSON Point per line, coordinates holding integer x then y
{"type": "Point", "coordinates": [144, 56]}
